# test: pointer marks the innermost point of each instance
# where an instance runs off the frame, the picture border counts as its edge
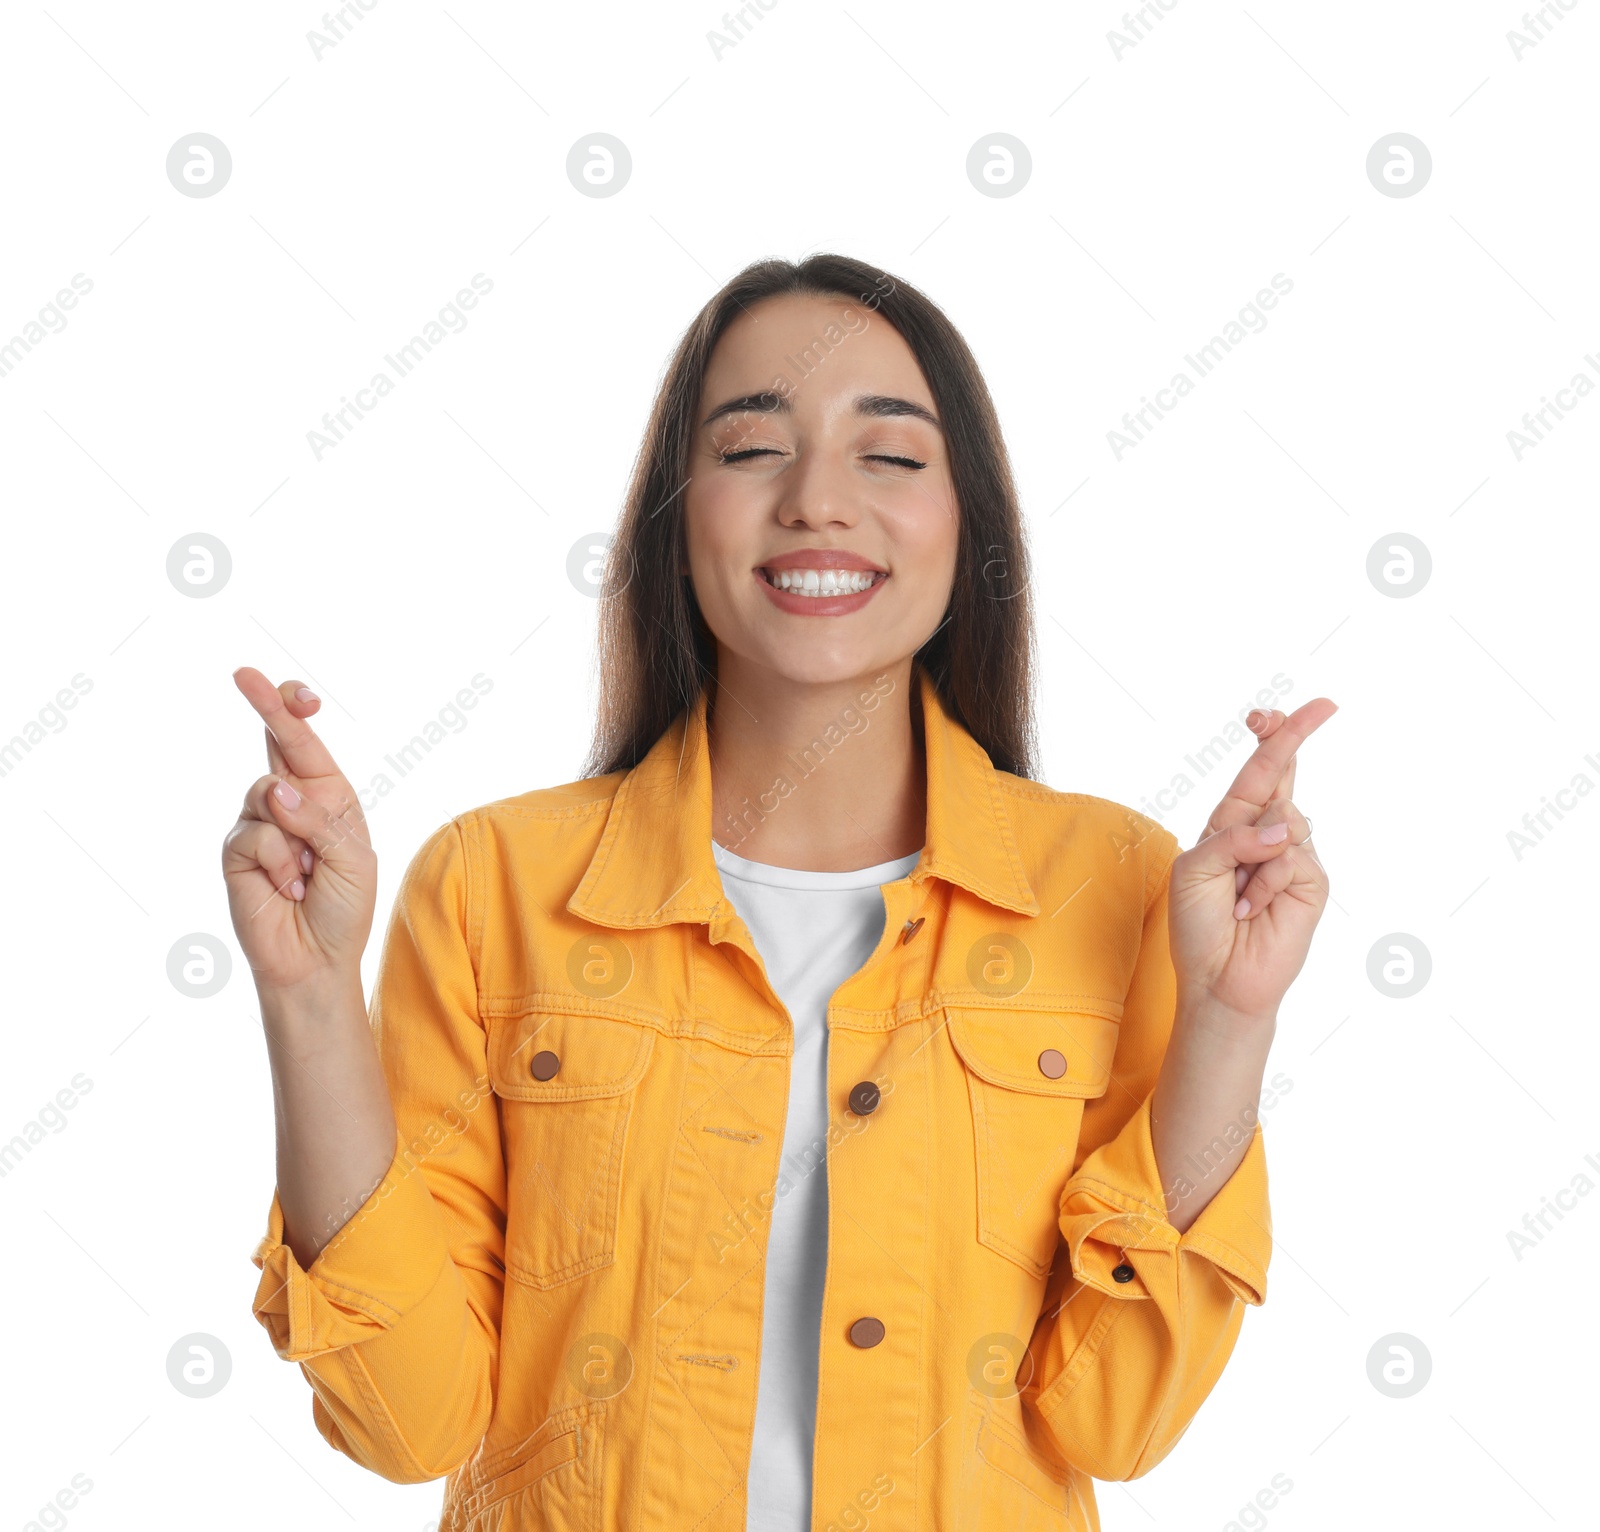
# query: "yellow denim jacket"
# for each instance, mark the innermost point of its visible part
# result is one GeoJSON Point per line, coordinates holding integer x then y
{"type": "Point", "coordinates": [554, 1296]}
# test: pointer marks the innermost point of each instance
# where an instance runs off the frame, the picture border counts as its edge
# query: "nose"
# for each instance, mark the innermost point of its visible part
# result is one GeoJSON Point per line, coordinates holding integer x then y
{"type": "Point", "coordinates": [819, 492]}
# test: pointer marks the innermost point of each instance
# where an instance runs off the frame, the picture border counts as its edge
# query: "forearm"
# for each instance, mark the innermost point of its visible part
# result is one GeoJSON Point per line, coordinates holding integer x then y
{"type": "Point", "coordinates": [335, 1120]}
{"type": "Point", "coordinates": [1204, 1108]}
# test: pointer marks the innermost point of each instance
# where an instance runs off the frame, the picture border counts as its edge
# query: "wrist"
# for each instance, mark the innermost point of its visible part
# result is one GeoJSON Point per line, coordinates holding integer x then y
{"type": "Point", "coordinates": [1202, 1011]}
{"type": "Point", "coordinates": [316, 1000]}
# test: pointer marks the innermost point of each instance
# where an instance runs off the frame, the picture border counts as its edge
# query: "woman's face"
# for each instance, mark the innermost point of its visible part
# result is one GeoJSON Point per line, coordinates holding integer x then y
{"type": "Point", "coordinates": [833, 480]}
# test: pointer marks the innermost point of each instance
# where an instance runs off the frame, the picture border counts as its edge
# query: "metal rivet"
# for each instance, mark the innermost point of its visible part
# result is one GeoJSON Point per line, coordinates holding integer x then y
{"type": "Point", "coordinates": [864, 1098]}
{"type": "Point", "coordinates": [866, 1332]}
{"type": "Point", "coordinates": [545, 1065]}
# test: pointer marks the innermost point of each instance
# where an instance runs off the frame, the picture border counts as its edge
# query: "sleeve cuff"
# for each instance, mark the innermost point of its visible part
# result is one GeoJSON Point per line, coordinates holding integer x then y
{"type": "Point", "coordinates": [1114, 1218]}
{"type": "Point", "coordinates": [364, 1281]}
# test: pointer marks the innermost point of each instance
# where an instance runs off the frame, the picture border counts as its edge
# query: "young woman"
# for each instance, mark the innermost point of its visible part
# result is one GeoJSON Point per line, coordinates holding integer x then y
{"type": "Point", "coordinates": [806, 1119]}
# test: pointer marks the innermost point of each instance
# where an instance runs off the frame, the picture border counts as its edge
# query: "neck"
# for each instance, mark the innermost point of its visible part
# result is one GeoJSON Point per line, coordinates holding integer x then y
{"type": "Point", "coordinates": [804, 775]}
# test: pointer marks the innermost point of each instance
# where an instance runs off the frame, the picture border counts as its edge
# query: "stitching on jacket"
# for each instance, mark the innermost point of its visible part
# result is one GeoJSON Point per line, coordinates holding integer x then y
{"type": "Point", "coordinates": [988, 1171]}
{"type": "Point", "coordinates": [377, 1409]}
{"type": "Point", "coordinates": [1227, 1257]}
{"type": "Point", "coordinates": [908, 1012]}
{"type": "Point", "coordinates": [1135, 1207]}
{"type": "Point", "coordinates": [735, 1133]}
{"type": "Point", "coordinates": [738, 1478]}
{"type": "Point", "coordinates": [475, 913]}
{"type": "Point", "coordinates": [642, 1478]}
{"type": "Point", "coordinates": [1156, 880]}
{"type": "Point", "coordinates": [576, 811]}
{"type": "Point", "coordinates": [924, 1075]}
{"type": "Point", "coordinates": [1066, 1486]}
{"type": "Point", "coordinates": [1008, 837]}
{"type": "Point", "coordinates": [733, 1212]}
{"type": "Point", "coordinates": [1078, 1367]}
{"type": "Point", "coordinates": [373, 1307]}
{"type": "Point", "coordinates": [715, 1302]}
{"type": "Point", "coordinates": [608, 840]}
{"type": "Point", "coordinates": [722, 1361]}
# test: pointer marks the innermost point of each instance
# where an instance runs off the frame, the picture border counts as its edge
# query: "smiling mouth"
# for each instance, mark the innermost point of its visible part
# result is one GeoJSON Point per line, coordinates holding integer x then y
{"type": "Point", "coordinates": [822, 582]}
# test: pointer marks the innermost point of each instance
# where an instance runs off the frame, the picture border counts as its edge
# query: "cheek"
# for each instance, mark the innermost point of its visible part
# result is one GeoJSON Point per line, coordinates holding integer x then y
{"type": "Point", "coordinates": [717, 537]}
{"type": "Point", "coordinates": [926, 539]}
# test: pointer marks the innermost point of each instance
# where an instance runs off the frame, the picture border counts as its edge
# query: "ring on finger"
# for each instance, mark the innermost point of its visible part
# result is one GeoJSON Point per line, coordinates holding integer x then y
{"type": "Point", "coordinates": [1307, 819]}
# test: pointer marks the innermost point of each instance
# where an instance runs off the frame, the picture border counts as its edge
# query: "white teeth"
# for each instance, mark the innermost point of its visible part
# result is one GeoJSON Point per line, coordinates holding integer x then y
{"type": "Point", "coordinates": [822, 582]}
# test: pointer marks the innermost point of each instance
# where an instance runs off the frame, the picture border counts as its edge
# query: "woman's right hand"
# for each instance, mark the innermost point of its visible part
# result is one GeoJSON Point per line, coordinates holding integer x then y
{"type": "Point", "coordinates": [301, 872]}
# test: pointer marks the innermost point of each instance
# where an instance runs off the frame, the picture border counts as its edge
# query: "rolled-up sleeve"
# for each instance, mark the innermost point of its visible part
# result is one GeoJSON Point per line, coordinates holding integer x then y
{"type": "Point", "coordinates": [373, 1272]}
{"type": "Point", "coordinates": [395, 1325]}
{"type": "Point", "coordinates": [1140, 1319]}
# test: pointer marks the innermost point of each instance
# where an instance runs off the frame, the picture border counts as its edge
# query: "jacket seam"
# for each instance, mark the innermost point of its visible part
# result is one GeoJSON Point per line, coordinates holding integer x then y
{"type": "Point", "coordinates": [1157, 880]}
{"type": "Point", "coordinates": [1124, 1202]}
{"type": "Point", "coordinates": [1180, 1339]}
{"type": "Point", "coordinates": [1053, 1400]}
{"type": "Point", "coordinates": [373, 1307]}
{"type": "Point", "coordinates": [1226, 1256]}
{"type": "Point", "coordinates": [576, 811]}
{"type": "Point", "coordinates": [1008, 838]}
{"type": "Point", "coordinates": [668, 1177]}
{"type": "Point", "coordinates": [400, 1449]}
{"type": "Point", "coordinates": [473, 912]}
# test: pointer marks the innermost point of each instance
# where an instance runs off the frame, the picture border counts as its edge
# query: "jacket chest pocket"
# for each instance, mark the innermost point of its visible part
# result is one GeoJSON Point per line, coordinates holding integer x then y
{"type": "Point", "coordinates": [566, 1085]}
{"type": "Point", "coordinates": [1028, 1076]}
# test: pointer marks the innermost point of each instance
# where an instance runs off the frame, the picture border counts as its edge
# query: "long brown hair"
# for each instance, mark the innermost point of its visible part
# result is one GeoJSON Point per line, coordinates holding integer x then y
{"type": "Point", "coordinates": [655, 651]}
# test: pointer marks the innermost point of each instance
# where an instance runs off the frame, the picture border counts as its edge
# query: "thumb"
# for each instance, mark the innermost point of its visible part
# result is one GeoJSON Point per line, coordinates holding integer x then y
{"type": "Point", "coordinates": [338, 838]}
{"type": "Point", "coordinates": [1237, 846]}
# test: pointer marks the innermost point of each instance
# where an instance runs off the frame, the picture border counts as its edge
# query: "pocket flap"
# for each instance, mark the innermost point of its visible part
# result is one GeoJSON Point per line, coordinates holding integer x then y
{"type": "Point", "coordinates": [580, 1056]}
{"type": "Point", "coordinates": [1005, 1047]}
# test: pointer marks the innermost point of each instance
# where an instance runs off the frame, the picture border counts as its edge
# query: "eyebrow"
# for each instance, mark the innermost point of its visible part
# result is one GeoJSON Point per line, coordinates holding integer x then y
{"type": "Point", "coordinates": [875, 405]}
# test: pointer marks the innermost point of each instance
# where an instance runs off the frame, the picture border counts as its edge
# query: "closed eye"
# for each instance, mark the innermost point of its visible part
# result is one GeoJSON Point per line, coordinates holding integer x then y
{"type": "Point", "coordinates": [872, 457]}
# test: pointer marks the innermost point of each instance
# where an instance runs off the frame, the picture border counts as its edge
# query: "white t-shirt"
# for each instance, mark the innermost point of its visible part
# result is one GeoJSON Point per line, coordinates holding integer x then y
{"type": "Point", "coordinates": [813, 931]}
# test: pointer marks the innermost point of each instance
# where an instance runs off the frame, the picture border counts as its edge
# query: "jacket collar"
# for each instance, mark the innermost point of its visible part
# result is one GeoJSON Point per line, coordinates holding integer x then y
{"type": "Point", "coordinates": [654, 864]}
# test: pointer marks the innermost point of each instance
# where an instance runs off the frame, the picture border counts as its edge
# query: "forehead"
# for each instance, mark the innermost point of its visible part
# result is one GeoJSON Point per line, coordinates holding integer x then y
{"type": "Point", "coordinates": [826, 347]}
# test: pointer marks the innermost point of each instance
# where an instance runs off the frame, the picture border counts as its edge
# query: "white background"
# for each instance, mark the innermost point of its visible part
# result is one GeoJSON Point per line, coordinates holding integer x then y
{"type": "Point", "coordinates": [1168, 185]}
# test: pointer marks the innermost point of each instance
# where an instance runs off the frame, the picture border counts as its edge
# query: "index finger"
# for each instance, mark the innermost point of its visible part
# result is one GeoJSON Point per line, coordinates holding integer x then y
{"type": "Point", "coordinates": [292, 744]}
{"type": "Point", "coordinates": [1260, 776]}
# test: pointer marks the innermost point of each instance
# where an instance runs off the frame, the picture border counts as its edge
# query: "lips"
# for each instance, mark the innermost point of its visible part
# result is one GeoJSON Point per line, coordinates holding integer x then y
{"type": "Point", "coordinates": [821, 558]}
{"type": "Point", "coordinates": [821, 582]}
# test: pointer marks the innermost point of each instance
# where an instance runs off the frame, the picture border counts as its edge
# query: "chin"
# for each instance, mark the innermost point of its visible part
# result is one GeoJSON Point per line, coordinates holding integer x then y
{"type": "Point", "coordinates": [827, 664]}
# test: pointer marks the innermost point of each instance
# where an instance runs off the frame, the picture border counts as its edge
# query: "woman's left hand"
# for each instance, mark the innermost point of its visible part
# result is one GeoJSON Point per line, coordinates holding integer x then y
{"type": "Point", "coordinates": [1241, 908]}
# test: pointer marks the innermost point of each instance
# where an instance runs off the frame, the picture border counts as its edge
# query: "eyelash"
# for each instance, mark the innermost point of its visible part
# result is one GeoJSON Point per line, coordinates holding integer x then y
{"type": "Point", "coordinates": [876, 457]}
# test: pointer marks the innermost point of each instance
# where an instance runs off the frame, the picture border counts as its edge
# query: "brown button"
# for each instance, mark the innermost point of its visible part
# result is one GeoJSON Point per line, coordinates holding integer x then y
{"type": "Point", "coordinates": [867, 1332]}
{"type": "Point", "coordinates": [864, 1098]}
{"type": "Point", "coordinates": [1122, 1273]}
{"type": "Point", "coordinates": [545, 1065]}
{"type": "Point", "coordinates": [912, 927]}
{"type": "Point", "coordinates": [1052, 1063]}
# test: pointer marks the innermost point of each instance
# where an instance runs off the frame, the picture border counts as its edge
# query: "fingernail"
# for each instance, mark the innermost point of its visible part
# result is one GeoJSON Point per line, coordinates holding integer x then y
{"type": "Point", "coordinates": [1241, 909]}
{"type": "Point", "coordinates": [290, 799]}
{"type": "Point", "coordinates": [298, 889]}
{"type": "Point", "coordinates": [1274, 833]}
{"type": "Point", "coordinates": [305, 861]}
{"type": "Point", "coordinates": [1255, 719]}
{"type": "Point", "coordinates": [305, 694]}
